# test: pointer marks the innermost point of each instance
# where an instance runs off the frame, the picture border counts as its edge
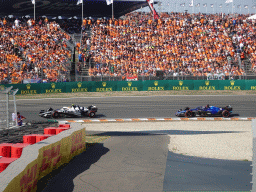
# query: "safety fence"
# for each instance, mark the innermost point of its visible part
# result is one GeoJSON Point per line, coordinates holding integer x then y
{"type": "Point", "coordinates": [151, 85]}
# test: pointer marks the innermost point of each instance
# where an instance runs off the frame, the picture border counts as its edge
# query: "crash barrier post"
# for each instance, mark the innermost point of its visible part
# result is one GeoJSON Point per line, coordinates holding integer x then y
{"type": "Point", "coordinates": [40, 159]}
{"type": "Point", "coordinates": [149, 85]}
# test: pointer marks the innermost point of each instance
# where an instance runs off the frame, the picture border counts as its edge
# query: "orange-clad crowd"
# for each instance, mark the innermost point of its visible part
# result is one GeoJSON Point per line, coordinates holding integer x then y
{"type": "Point", "coordinates": [42, 45]}
{"type": "Point", "coordinates": [177, 43]}
{"type": "Point", "coordinates": [135, 44]}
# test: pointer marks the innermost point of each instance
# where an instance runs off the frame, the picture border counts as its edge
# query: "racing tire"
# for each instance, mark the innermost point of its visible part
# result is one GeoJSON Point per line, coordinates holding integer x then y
{"type": "Point", "coordinates": [56, 115]}
{"type": "Point", "coordinates": [225, 113]}
{"type": "Point", "coordinates": [92, 114]}
{"type": "Point", "coordinates": [188, 114]}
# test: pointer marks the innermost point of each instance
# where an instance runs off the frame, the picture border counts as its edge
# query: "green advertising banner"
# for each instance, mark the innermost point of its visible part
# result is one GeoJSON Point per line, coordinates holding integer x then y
{"type": "Point", "coordinates": [151, 85]}
{"type": "Point", "coordinates": [158, 85]}
{"type": "Point", "coordinates": [250, 84]}
{"type": "Point", "coordinates": [206, 85]}
{"type": "Point", "coordinates": [53, 87]}
{"type": "Point", "coordinates": [105, 86]}
{"type": "Point", "coordinates": [181, 85]}
{"type": "Point", "coordinates": [75, 87]}
{"type": "Point", "coordinates": [129, 86]}
{"type": "Point", "coordinates": [31, 88]}
{"type": "Point", "coordinates": [232, 85]}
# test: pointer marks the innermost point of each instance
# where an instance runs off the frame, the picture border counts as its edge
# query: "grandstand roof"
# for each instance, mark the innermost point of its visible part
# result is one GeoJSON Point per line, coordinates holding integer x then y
{"type": "Point", "coordinates": [69, 8]}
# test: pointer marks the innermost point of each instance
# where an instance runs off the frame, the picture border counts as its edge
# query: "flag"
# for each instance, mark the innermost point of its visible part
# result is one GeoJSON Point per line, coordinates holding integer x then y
{"type": "Point", "coordinates": [205, 5]}
{"type": "Point", "coordinates": [191, 4]}
{"type": "Point", "coordinates": [211, 5]}
{"type": "Point", "coordinates": [79, 2]}
{"type": "Point", "coordinates": [198, 5]}
{"type": "Point", "coordinates": [33, 1]}
{"type": "Point", "coordinates": [110, 2]}
{"type": "Point", "coordinates": [182, 5]}
{"type": "Point", "coordinates": [229, 1]}
{"type": "Point", "coordinates": [246, 6]}
{"type": "Point", "coordinates": [220, 5]}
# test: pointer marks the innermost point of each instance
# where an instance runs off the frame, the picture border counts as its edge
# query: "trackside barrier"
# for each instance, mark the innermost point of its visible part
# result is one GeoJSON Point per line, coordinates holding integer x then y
{"type": "Point", "coordinates": [149, 85]}
{"type": "Point", "coordinates": [41, 158]}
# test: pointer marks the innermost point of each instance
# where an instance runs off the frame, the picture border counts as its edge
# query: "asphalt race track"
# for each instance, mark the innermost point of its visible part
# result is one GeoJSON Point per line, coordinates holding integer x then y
{"type": "Point", "coordinates": [137, 161]}
{"type": "Point", "coordinates": [140, 107]}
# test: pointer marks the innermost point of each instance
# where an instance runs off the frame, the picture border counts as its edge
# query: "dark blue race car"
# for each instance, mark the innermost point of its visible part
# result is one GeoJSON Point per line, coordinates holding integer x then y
{"type": "Point", "coordinates": [205, 111]}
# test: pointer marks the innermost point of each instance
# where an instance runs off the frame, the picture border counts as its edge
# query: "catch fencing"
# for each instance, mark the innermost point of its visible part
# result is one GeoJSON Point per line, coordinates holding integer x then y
{"type": "Point", "coordinates": [7, 108]}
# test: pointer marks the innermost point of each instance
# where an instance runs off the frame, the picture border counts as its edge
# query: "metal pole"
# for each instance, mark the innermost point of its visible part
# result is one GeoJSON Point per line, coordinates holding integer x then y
{"type": "Point", "coordinates": [141, 13]}
{"type": "Point", "coordinates": [7, 106]}
{"type": "Point", "coordinates": [15, 110]}
{"type": "Point", "coordinates": [35, 11]}
{"type": "Point", "coordinates": [232, 8]}
{"type": "Point", "coordinates": [8, 74]}
{"type": "Point", "coordinates": [113, 10]}
{"type": "Point", "coordinates": [82, 24]}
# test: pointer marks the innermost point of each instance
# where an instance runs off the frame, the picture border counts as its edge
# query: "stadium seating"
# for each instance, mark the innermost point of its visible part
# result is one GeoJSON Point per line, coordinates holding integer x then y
{"type": "Point", "coordinates": [177, 44]}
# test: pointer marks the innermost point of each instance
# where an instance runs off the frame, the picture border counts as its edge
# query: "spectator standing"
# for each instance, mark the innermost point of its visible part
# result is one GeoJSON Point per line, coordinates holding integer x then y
{"type": "Point", "coordinates": [20, 118]}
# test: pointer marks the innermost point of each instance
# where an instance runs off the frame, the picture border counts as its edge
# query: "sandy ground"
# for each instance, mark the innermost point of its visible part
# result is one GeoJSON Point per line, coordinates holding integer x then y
{"type": "Point", "coordinates": [200, 138]}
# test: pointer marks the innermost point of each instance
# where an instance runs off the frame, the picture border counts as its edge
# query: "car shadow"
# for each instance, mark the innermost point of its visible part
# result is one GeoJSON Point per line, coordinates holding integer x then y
{"type": "Point", "coordinates": [234, 115]}
{"type": "Point", "coordinates": [61, 179]}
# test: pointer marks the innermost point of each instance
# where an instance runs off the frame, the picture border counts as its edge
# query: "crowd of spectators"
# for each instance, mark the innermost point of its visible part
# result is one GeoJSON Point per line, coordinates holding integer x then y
{"type": "Point", "coordinates": [135, 44]}
{"type": "Point", "coordinates": [177, 43]}
{"type": "Point", "coordinates": [40, 43]}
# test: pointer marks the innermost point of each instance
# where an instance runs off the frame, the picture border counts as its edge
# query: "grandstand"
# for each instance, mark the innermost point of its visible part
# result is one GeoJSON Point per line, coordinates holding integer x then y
{"type": "Point", "coordinates": [133, 46]}
{"type": "Point", "coordinates": [177, 45]}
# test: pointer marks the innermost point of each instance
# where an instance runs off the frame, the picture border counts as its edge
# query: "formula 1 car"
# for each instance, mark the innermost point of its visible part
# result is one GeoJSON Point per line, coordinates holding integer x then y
{"type": "Point", "coordinates": [208, 111]}
{"type": "Point", "coordinates": [73, 111]}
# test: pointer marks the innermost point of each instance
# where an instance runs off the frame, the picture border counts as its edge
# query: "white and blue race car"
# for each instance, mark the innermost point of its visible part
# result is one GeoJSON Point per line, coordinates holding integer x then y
{"type": "Point", "coordinates": [205, 111]}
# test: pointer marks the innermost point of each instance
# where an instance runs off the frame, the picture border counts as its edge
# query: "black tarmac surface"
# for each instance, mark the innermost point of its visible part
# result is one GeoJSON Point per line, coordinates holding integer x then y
{"type": "Point", "coordinates": [140, 107]}
{"type": "Point", "coordinates": [140, 161]}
